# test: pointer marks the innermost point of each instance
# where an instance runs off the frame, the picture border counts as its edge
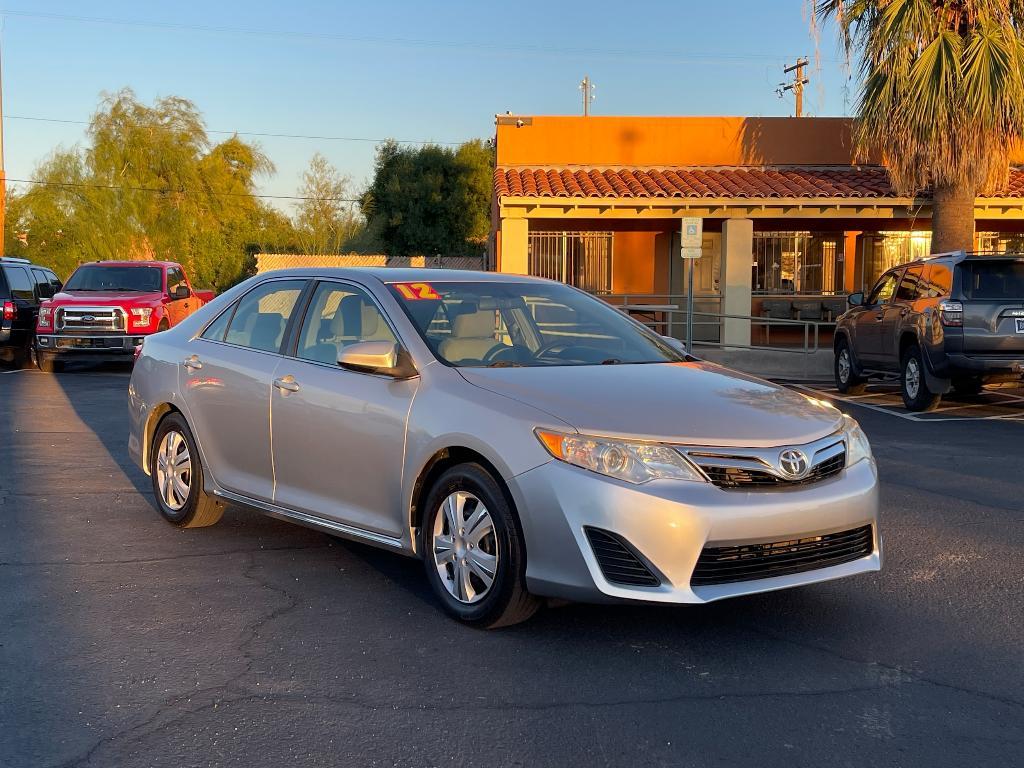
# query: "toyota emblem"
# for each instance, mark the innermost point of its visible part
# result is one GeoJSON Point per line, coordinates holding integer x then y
{"type": "Point", "coordinates": [793, 463]}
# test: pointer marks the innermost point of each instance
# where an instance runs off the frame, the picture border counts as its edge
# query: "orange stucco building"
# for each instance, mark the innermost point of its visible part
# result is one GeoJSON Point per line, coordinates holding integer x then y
{"type": "Point", "coordinates": [787, 215]}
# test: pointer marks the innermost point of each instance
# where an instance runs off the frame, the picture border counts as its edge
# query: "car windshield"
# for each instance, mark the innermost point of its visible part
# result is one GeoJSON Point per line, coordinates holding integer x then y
{"type": "Point", "coordinates": [497, 324]}
{"type": "Point", "coordinates": [993, 280]}
{"type": "Point", "coordinates": [103, 278]}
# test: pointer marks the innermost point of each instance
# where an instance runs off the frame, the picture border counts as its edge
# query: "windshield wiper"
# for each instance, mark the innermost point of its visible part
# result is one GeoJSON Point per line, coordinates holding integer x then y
{"type": "Point", "coordinates": [611, 361]}
{"type": "Point", "coordinates": [505, 364]}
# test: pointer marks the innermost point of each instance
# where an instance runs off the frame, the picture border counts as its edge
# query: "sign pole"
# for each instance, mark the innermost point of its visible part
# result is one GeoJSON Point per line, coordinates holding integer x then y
{"type": "Point", "coordinates": [689, 308]}
{"type": "Point", "coordinates": [691, 239]}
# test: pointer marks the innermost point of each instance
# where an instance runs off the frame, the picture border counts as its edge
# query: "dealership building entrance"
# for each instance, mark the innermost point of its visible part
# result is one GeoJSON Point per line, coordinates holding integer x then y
{"type": "Point", "coordinates": [791, 224]}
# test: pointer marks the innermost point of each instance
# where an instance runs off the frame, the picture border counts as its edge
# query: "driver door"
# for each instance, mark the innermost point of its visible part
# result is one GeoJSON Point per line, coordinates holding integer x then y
{"type": "Point", "coordinates": [869, 321]}
{"type": "Point", "coordinates": [339, 435]}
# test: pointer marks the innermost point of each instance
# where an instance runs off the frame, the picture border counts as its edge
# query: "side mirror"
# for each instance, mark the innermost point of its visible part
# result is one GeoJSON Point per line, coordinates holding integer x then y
{"type": "Point", "coordinates": [380, 357]}
{"type": "Point", "coordinates": [181, 292]}
{"type": "Point", "coordinates": [855, 299]}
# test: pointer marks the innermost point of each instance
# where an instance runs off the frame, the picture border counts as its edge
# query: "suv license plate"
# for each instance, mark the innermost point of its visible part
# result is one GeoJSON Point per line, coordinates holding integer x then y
{"type": "Point", "coordinates": [1020, 324]}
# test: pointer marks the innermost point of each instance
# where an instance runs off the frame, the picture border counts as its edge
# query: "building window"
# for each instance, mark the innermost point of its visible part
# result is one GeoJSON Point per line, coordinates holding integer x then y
{"type": "Point", "coordinates": [797, 262]}
{"type": "Point", "coordinates": [886, 250]}
{"type": "Point", "coordinates": [581, 259]}
{"type": "Point", "coordinates": [999, 242]}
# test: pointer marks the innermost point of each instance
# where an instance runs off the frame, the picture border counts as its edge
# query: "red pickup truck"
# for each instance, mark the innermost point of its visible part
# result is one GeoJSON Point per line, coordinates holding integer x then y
{"type": "Point", "coordinates": [107, 308]}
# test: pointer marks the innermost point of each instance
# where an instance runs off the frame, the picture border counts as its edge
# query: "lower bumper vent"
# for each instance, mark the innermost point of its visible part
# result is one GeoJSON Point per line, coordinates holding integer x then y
{"type": "Point", "coordinates": [618, 560]}
{"type": "Point", "coordinates": [747, 562]}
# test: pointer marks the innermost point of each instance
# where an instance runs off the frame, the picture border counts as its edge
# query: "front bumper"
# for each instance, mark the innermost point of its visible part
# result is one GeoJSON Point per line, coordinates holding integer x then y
{"type": "Point", "coordinates": [88, 347]}
{"type": "Point", "coordinates": [669, 523]}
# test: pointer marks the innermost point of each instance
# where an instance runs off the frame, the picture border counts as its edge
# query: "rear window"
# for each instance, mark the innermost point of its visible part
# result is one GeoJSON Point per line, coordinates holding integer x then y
{"type": "Point", "coordinates": [993, 280]}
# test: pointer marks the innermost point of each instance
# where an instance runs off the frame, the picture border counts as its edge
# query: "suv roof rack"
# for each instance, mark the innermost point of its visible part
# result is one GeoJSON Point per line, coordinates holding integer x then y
{"type": "Point", "coordinates": [963, 254]}
{"type": "Point", "coordinates": [15, 259]}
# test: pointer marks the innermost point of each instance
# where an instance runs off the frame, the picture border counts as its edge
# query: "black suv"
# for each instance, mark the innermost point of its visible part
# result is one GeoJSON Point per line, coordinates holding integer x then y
{"type": "Point", "coordinates": [22, 286]}
{"type": "Point", "coordinates": [952, 321]}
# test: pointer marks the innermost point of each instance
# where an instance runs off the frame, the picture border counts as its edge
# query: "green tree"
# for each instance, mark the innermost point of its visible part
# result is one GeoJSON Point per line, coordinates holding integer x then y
{"type": "Point", "coordinates": [325, 221]}
{"type": "Point", "coordinates": [941, 98]}
{"type": "Point", "coordinates": [149, 184]}
{"type": "Point", "coordinates": [431, 200]}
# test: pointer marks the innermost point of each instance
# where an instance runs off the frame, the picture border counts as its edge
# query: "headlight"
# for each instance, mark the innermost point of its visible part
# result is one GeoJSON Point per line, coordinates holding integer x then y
{"type": "Point", "coordinates": [141, 315]}
{"type": "Point", "coordinates": [626, 460]}
{"type": "Point", "coordinates": [857, 446]}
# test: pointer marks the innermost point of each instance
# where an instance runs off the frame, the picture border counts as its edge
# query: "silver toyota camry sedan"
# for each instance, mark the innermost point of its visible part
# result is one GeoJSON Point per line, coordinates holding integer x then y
{"type": "Point", "coordinates": [521, 437]}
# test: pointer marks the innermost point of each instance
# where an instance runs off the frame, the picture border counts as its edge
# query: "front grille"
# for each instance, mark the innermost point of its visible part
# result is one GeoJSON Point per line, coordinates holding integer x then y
{"type": "Point", "coordinates": [71, 319]}
{"type": "Point", "coordinates": [735, 477]}
{"type": "Point", "coordinates": [618, 560]}
{"type": "Point", "coordinates": [747, 562]}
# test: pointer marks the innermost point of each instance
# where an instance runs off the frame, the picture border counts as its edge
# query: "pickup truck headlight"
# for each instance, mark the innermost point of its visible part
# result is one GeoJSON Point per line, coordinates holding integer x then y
{"type": "Point", "coordinates": [141, 315]}
{"type": "Point", "coordinates": [627, 460]}
{"type": "Point", "coordinates": [857, 446]}
{"type": "Point", "coordinates": [45, 317]}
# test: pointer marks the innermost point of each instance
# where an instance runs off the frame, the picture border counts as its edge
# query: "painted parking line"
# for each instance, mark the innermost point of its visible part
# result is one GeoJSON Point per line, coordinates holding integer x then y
{"type": "Point", "coordinates": [998, 405]}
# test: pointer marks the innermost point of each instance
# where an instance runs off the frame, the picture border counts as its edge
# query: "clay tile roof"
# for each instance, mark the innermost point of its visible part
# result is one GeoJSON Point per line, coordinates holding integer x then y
{"type": "Point", "coordinates": [869, 182]}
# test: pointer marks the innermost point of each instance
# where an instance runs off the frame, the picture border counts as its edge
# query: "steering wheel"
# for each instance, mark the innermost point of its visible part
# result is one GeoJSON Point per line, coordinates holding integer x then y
{"type": "Point", "coordinates": [495, 352]}
{"type": "Point", "coordinates": [550, 347]}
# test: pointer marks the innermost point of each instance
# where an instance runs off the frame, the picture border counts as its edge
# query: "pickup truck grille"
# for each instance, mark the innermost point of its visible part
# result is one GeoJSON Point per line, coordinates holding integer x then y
{"type": "Point", "coordinates": [88, 319]}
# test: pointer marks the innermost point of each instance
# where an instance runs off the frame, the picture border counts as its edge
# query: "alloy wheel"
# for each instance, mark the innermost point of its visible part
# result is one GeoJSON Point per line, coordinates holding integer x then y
{"type": "Point", "coordinates": [912, 377]}
{"type": "Point", "coordinates": [465, 547]}
{"type": "Point", "coordinates": [844, 366]}
{"type": "Point", "coordinates": [174, 470]}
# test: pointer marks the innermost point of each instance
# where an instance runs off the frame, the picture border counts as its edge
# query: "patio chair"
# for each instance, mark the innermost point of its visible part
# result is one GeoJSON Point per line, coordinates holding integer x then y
{"type": "Point", "coordinates": [774, 309]}
{"type": "Point", "coordinates": [834, 308]}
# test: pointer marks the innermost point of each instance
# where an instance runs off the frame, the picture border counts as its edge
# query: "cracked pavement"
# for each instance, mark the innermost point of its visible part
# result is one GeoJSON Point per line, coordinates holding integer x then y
{"type": "Point", "coordinates": [126, 642]}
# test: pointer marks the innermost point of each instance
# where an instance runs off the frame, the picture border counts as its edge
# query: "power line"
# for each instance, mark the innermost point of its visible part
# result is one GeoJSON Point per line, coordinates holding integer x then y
{"type": "Point", "coordinates": [129, 188]}
{"type": "Point", "coordinates": [263, 134]}
{"type": "Point", "coordinates": [395, 41]}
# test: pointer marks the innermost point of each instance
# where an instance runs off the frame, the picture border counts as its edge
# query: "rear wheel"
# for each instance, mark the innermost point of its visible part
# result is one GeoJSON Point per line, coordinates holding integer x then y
{"type": "Point", "coordinates": [914, 383]}
{"type": "Point", "coordinates": [177, 475]}
{"type": "Point", "coordinates": [473, 552]}
{"type": "Point", "coordinates": [847, 381]}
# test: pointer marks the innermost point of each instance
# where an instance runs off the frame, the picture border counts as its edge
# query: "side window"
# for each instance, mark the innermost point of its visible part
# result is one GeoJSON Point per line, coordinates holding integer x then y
{"type": "Point", "coordinates": [262, 314]}
{"type": "Point", "coordinates": [911, 285]}
{"type": "Point", "coordinates": [20, 285]}
{"type": "Point", "coordinates": [175, 277]}
{"type": "Point", "coordinates": [339, 315]}
{"type": "Point", "coordinates": [55, 283]}
{"type": "Point", "coordinates": [884, 289]}
{"type": "Point", "coordinates": [938, 281]}
{"type": "Point", "coordinates": [43, 288]}
{"type": "Point", "coordinates": [215, 330]}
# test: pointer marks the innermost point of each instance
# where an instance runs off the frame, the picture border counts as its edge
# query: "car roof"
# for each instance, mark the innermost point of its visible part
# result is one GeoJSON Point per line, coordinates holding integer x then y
{"type": "Point", "coordinates": [408, 275]}
{"type": "Point", "coordinates": [130, 263]}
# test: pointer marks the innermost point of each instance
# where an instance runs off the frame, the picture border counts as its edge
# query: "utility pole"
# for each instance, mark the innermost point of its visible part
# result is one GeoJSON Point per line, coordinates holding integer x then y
{"type": "Point", "coordinates": [796, 85]}
{"type": "Point", "coordinates": [587, 87]}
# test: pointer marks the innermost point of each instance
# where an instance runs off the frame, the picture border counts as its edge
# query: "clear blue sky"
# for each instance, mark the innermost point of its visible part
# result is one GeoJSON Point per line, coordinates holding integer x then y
{"type": "Point", "coordinates": [411, 70]}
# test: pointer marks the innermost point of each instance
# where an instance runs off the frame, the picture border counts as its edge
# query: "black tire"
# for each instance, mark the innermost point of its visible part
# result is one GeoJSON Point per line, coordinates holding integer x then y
{"type": "Point", "coordinates": [968, 387]}
{"type": "Point", "coordinates": [912, 370]}
{"type": "Point", "coordinates": [506, 601]}
{"type": "Point", "coordinates": [847, 382]}
{"type": "Point", "coordinates": [199, 508]}
{"type": "Point", "coordinates": [47, 363]}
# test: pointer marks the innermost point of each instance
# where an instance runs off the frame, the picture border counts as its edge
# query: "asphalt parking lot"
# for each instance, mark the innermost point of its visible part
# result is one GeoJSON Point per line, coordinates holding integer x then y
{"type": "Point", "coordinates": [126, 642]}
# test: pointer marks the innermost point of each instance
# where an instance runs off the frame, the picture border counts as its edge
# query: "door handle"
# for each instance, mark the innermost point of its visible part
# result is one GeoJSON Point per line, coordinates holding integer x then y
{"type": "Point", "coordinates": [287, 384]}
{"type": "Point", "coordinates": [193, 363]}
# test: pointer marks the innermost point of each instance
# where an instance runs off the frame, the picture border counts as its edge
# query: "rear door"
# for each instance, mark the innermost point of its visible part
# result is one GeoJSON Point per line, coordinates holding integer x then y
{"type": "Point", "coordinates": [22, 292]}
{"type": "Point", "coordinates": [992, 292]}
{"type": "Point", "coordinates": [895, 314]}
{"type": "Point", "coordinates": [226, 376]}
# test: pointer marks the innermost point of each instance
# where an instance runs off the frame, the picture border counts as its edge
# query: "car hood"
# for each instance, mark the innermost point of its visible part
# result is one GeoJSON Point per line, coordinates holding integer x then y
{"type": "Point", "coordinates": [106, 298]}
{"type": "Point", "coordinates": [692, 403]}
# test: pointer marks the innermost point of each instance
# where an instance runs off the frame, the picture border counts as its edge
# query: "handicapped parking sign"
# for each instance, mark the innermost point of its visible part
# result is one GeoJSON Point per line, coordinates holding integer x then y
{"type": "Point", "coordinates": [691, 237]}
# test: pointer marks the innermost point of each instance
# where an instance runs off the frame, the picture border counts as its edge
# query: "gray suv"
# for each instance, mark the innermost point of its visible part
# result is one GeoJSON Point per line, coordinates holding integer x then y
{"type": "Point", "coordinates": [952, 321]}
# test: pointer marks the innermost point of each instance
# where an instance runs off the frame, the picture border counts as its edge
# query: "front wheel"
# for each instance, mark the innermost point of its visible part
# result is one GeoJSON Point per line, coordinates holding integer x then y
{"type": "Point", "coordinates": [847, 382]}
{"type": "Point", "coordinates": [177, 474]}
{"type": "Point", "coordinates": [473, 552]}
{"type": "Point", "coordinates": [914, 383]}
{"type": "Point", "coordinates": [47, 364]}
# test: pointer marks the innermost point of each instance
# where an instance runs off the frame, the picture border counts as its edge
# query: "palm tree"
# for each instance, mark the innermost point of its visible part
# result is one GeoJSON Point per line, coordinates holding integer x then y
{"type": "Point", "coordinates": [941, 99]}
